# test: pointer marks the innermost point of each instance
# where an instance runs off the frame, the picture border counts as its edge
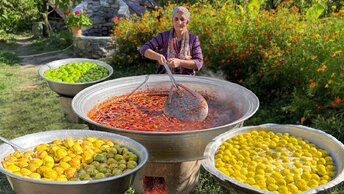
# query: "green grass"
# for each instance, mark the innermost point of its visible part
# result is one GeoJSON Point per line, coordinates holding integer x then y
{"type": "Point", "coordinates": [27, 105]}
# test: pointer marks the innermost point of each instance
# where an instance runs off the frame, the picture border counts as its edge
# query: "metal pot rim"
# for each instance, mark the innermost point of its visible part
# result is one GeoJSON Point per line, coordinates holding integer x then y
{"type": "Point", "coordinates": [71, 60]}
{"type": "Point", "coordinates": [139, 166]}
{"type": "Point", "coordinates": [241, 119]}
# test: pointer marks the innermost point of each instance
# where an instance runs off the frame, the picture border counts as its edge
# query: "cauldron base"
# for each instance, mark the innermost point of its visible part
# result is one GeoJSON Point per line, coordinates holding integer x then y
{"type": "Point", "coordinates": [66, 103]}
{"type": "Point", "coordinates": [176, 178]}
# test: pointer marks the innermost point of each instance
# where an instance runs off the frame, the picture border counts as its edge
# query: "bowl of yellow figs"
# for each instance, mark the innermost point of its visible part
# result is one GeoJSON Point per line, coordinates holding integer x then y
{"type": "Point", "coordinates": [72, 162]}
{"type": "Point", "coordinates": [274, 158]}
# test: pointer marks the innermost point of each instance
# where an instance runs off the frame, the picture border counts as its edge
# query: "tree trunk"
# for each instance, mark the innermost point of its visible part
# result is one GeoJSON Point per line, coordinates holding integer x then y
{"type": "Point", "coordinates": [45, 18]}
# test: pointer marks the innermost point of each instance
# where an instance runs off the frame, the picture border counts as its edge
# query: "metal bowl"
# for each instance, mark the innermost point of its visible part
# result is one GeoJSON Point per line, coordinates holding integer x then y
{"type": "Point", "coordinates": [71, 89]}
{"type": "Point", "coordinates": [110, 185]}
{"type": "Point", "coordinates": [171, 146]}
{"type": "Point", "coordinates": [317, 137]}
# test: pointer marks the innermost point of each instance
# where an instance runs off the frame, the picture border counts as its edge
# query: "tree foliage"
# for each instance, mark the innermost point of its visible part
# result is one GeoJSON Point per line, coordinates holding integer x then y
{"type": "Point", "coordinates": [17, 15]}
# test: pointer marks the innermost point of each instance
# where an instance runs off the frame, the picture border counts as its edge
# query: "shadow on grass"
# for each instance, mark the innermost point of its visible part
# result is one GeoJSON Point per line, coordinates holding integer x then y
{"type": "Point", "coordinates": [8, 58]}
{"type": "Point", "coordinates": [5, 187]}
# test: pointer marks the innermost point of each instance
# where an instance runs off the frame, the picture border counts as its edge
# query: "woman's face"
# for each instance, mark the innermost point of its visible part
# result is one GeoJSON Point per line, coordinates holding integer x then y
{"type": "Point", "coordinates": [179, 22]}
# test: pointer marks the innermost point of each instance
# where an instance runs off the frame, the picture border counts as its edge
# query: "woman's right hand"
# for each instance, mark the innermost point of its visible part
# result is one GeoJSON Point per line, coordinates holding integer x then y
{"type": "Point", "coordinates": [149, 53]}
{"type": "Point", "coordinates": [161, 59]}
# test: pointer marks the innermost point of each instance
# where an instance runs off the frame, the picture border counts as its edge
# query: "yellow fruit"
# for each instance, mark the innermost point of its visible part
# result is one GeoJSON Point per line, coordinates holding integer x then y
{"type": "Point", "coordinates": [272, 187]}
{"type": "Point", "coordinates": [283, 189]}
{"type": "Point", "coordinates": [289, 178]}
{"type": "Point", "coordinates": [61, 178]}
{"type": "Point", "coordinates": [70, 173]}
{"type": "Point", "coordinates": [293, 188]}
{"type": "Point", "coordinates": [68, 142]}
{"type": "Point", "coordinates": [306, 176]}
{"type": "Point", "coordinates": [250, 181]}
{"type": "Point", "coordinates": [50, 174]}
{"type": "Point", "coordinates": [42, 147]}
{"type": "Point", "coordinates": [244, 171]}
{"type": "Point", "coordinates": [22, 163]}
{"type": "Point", "coordinates": [35, 176]}
{"type": "Point", "coordinates": [60, 154]}
{"type": "Point", "coordinates": [25, 171]}
{"type": "Point", "coordinates": [59, 170]}
{"type": "Point", "coordinates": [13, 168]}
{"type": "Point", "coordinates": [313, 183]}
{"type": "Point", "coordinates": [64, 165]}
{"type": "Point", "coordinates": [270, 180]}
{"type": "Point", "coordinates": [17, 154]}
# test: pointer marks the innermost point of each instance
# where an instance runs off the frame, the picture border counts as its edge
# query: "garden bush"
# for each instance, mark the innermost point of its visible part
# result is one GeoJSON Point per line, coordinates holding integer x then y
{"type": "Point", "coordinates": [293, 61]}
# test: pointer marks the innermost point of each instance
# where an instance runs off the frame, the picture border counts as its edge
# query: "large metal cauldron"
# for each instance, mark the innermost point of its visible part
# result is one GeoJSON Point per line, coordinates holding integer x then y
{"type": "Point", "coordinates": [171, 146]}
{"type": "Point", "coordinates": [174, 157]}
{"type": "Point", "coordinates": [111, 185]}
{"type": "Point", "coordinates": [70, 89]}
{"type": "Point", "coordinates": [319, 138]}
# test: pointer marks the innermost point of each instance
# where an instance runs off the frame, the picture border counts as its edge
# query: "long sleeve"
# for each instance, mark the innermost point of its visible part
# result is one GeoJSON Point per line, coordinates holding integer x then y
{"type": "Point", "coordinates": [196, 53]}
{"type": "Point", "coordinates": [158, 44]}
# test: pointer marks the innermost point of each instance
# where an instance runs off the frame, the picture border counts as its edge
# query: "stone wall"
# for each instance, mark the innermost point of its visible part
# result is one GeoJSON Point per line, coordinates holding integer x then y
{"type": "Point", "coordinates": [92, 46]}
{"type": "Point", "coordinates": [102, 12]}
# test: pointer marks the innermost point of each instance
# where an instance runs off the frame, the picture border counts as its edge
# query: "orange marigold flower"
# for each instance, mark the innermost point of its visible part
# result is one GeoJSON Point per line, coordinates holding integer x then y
{"type": "Point", "coordinates": [336, 101]}
{"type": "Point", "coordinates": [311, 84]}
{"type": "Point", "coordinates": [337, 53]}
{"type": "Point", "coordinates": [322, 68]}
{"type": "Point", "coordinates": [294, 9]}
{"type": "Point", "coordinates": [302, 120]}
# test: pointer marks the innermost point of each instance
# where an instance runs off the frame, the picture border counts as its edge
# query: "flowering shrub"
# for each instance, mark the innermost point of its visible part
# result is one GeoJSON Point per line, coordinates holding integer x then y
{"type": "Point", "coordinates": [77, 19]}
{"type": "Point", "coordinates": [287, 59]}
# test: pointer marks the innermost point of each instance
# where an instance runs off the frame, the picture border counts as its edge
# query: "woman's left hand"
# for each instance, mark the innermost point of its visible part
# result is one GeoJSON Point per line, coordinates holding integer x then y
{"type": "Point", "coordinates": [174, 62]}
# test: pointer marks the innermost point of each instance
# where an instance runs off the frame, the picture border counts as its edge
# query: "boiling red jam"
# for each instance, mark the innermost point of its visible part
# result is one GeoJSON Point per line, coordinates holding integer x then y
{"type": "Point", "coordinates": [144, 111]}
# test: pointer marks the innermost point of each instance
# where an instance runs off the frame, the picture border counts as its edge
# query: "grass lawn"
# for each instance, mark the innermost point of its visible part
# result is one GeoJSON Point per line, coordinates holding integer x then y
{"type": "Point", "coordinates": [27, 105]}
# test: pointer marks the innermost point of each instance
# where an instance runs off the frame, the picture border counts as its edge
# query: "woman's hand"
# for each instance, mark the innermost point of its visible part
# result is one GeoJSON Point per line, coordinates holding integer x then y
{"type": "Point", "coordinates": [161, 59]}
{"type": "Point", "coordinates": [174, 62]}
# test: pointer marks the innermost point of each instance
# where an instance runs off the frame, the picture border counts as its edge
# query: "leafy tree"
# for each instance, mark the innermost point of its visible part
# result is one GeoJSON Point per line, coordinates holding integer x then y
{"type": "Point", "coordinates": [17, 15]}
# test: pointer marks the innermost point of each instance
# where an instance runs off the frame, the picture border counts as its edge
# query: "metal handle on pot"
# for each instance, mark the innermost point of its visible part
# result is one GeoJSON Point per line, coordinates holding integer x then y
{"type": "Point", "coordinates": [15, 146]}
{"type": "Point", "coordinates": [168, 70]}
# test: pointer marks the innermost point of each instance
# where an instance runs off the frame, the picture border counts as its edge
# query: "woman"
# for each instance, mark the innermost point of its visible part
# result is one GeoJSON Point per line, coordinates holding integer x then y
{"type": "Point", "coordinates": [178, 48]}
